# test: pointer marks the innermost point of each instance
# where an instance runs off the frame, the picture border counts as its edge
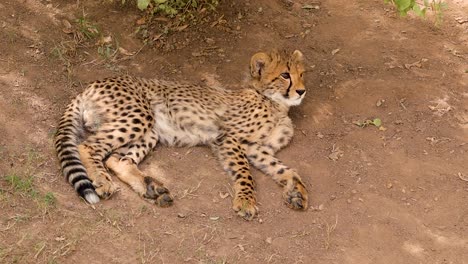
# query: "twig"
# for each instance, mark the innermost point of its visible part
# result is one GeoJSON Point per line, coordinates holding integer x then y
{"type": "Point", "coordinates": [330, 229]}
{"type": "Point", "coordinates": [39, 251]}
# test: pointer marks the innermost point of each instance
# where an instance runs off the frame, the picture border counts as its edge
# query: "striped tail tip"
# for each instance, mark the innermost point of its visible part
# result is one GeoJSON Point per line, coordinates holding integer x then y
{"type": "Point", "coordinates": [92, 197]}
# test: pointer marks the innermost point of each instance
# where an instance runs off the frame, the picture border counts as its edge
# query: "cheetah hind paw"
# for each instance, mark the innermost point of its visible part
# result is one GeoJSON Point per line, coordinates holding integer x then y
{"type": "Point", "coordinates": [105, 187]}
{"type": "Point", "coordinates": [245, 207]}
{"type": "Point", "coordinates": [296, 197]}
{"type": "Point", "coordinates": [156, 193]}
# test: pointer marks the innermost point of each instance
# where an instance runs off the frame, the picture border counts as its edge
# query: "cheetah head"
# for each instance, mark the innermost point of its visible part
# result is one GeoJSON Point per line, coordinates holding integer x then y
{"type": "Point", "coordinates": [279, 76]}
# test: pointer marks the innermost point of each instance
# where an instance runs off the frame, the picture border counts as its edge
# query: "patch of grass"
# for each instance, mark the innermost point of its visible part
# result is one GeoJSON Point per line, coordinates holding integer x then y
{"type": "Point", "coordinates": [184, 8]}
{"type": "Point", "coordinates": [86, 28]}
{"type": "Point", "coordinates": [33, 157]}
{"type": "Point", "coordinates": [49, 199]}
{"type": "Point", "coordinates": [65, 51]}
{"type": "Point", "coordinates": [24, 186]}
{"type": "Point", "coordinates": [21, 185]}
{"type": "Point", "coordinates": [108, 48]}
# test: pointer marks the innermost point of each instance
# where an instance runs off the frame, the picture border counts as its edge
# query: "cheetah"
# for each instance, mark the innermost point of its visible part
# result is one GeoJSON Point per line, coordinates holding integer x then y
{"type": "Point", "coordinates": [111, 127]}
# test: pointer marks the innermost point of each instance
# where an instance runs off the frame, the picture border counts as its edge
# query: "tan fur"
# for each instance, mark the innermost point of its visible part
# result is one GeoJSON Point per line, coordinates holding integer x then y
{"type": "Point", "coordinates": [128, 116]}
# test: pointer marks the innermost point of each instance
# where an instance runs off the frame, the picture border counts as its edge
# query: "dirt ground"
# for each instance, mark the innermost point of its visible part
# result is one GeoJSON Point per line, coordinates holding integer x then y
{"type": "Point", "coordinates": [397, 194]}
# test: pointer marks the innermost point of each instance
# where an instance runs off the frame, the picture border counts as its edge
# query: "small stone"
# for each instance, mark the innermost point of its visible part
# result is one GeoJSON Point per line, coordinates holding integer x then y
{"type": "Point", "coordinates": [380, 102]}
{"type": "Point", "coordinates": [320, 207]}
{"type": "Point", "coordinates": [353, 191]}
{"type": "Point", "coordinates": [348, 201]}
{"type": "Point", "coordinates": [181, 215]}
{"type": "Point", "coordinates": [389, 185]}
{"type": "Point", "coordinates": [269, 240]}
{"type": "Point", "coordinates": [332, 197]}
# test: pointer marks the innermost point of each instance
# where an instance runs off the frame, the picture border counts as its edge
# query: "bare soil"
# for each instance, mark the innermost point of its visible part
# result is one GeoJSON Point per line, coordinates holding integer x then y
{"type": "Point", "coordinates": [397, 194]}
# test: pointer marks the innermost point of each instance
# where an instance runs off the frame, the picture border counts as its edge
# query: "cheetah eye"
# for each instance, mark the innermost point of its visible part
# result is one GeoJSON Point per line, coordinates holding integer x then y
{"type": "Point", "coordinates": [285, 75]}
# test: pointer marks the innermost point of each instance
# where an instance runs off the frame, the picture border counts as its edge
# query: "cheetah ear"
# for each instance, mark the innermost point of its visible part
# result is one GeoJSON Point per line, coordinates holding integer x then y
{"type": "Point", "coordinates": [258, 63]}
{"type": "Point", "coordinates": [297, 57]}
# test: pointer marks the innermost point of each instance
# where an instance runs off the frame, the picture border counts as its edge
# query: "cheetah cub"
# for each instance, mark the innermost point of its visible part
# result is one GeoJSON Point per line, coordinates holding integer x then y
{"type": "Point", "coordinates": [125, 117]}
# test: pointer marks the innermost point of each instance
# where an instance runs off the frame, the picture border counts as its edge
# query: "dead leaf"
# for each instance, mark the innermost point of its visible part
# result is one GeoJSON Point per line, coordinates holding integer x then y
{"type": "Point", "coordinates": [441, 106]}
{"type": "Point", "coordinates": [380, 102]}
{"type": "Point", "coordinates": [223, 195]}
{"type": "Point", "coordinates": [181, 27]}
{"type": "Point", "coordinates": [197, 54]}
{"type": "Point", "coordinates": [336, 153]}
{"type": "Point", "coordinates": [141, 21]}
{"type": "Point", "coordinates": [156, 37]}
{"type": "Point", "coordinates": [335, 51]}
{"type": "Point", "coordinates": [68, 28]}
{"type": "Point", "coordinates": [162, 19]}
{"type": "Point", "coordinates": [60, 238]}
{"type": "Point", "coordinates": [463, 177]}
{"type": "Point", "coordinates": [105, 40]}
{"type": "Point", "coordinates": [126, 52]}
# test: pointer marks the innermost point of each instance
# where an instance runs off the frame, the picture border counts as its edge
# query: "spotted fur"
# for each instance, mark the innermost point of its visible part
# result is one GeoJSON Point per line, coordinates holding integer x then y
{"type": "Point", "coordinates": [126, 117]}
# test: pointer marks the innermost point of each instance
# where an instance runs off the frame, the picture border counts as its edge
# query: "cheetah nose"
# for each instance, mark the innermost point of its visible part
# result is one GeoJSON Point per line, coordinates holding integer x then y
{"type": "Point", "coordinates": [300, 92]}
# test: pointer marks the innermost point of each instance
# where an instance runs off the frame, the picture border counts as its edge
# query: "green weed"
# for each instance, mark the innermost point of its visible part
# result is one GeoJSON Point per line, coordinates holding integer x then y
{"type": "Point", "coordinates": [20, 184]}
{"type": "Point", "coordinates": [87, 28]}
{"type": "Point", "coordinates": [49, 199]}
{"type": "Point", "coordinates": [418, 8]}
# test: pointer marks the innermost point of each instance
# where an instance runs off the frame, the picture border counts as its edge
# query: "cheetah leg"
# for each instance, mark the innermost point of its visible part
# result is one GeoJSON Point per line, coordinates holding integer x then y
{"type": "Point", "coordinates": [295, 193]}
{"type": "Point", "coordinates": [101, 179]}
{"type": "Point", "coordinates": [235, 163]}
{"type": "Point", "coordinates": [94, 149]}
{"type": "Point", "coordinates": [123, 163]}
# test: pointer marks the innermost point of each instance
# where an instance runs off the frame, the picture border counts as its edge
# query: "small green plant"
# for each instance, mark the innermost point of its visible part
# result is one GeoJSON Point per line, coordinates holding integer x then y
{"type": "Point", "coordinates": [49, 199]}
{"type": "Point", "coordinates": [172, 8]}
{"type": "Point", "coordinates": [20, 184]}
{"type": "Point", "coordinates": [107, 51]}
{"type": "Point", "coordinates": [374, 122]}
{"type": "Point", "coordinates": [86, 28]}
{"type": "Point", "coordinates": [419, 8]}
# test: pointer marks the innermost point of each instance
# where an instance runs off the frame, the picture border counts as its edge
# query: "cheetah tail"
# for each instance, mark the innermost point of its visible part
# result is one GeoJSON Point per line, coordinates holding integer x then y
{"type": "Point", "coordinates": [67, 138]}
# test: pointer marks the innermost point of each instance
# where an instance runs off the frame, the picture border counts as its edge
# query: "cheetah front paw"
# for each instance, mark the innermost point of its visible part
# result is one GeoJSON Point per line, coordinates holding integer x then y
{"type": "Point", "coordinates": [156, 193]}
{"type": "Point", "coordinates": [296, 196]}
{"type": "Point", "coordinates": [104, 186]}
{"type": "Point", "coordinates": [245, 207]}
